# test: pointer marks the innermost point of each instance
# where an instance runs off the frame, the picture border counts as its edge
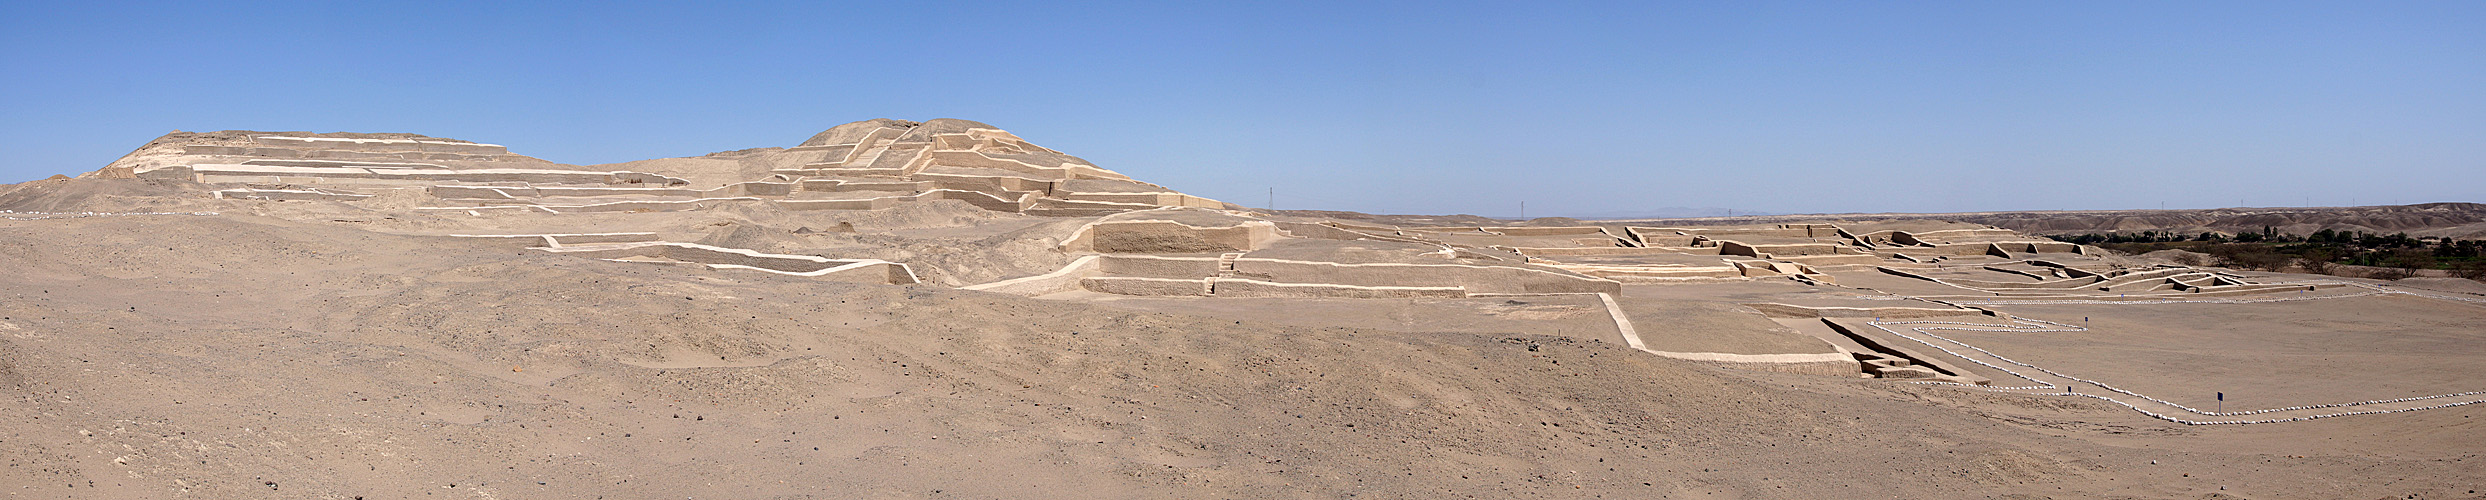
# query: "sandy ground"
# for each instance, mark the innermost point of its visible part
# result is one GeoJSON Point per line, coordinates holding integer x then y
{"type": "Point", "coordinates": [1709, 326]}
{"type": "Point", "coordinates": [249, 357]}
{"type": "Point", "coordinates": [1580, 317]}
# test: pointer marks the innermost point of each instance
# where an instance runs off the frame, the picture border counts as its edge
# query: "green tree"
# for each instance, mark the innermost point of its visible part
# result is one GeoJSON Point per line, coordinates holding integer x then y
{"type": "Point", "coordinates": [2410, 259]}
{"type": "Point", "coordinates": [2474, 269]}
{"type": "Point", "coordinates": [2318, 260]}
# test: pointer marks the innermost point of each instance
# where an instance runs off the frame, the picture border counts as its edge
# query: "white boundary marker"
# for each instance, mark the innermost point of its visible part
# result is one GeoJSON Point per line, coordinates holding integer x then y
{"type": "Point", "coordinates": [16, 215]}
{"type": "Point", "coordinates": [2030, 325]}
{"type": "Point", "coordinates": [1631, 336]}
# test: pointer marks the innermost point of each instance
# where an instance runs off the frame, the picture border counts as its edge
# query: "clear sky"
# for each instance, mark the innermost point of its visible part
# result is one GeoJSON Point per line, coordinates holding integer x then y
{"type": "Point", "coordinates": [1417, 107]}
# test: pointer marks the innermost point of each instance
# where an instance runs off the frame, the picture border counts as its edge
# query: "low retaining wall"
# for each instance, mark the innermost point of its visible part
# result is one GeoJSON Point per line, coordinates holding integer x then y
{"type": "Point", "coordinates": [1612, 251]}
{"type": "Point", "coordinates": [1152, 266]}
{"type": "Point", "coordinates": [986, 184]}
{"type": "Point", "coordinates": [1317, 231]}
{"type": "Point", "coordinates": [842, 186]}
{"type": "Point", "coordinates": [1547, 230]}
{"type": "Point", "coordinates": [650, 206]}
{"type": "Point", "coordinates": [1832, 364]}
{"type": "Point", "coordinates": [1876, 342]}
{"type": "Point", "coordinates": [1944, 235]}
{"type": "Point", "coordinates": [1145, 286]}
{"type": "Point", "coordinates": [341, 154]}
{"type": "Point", "coordinates": [753, 188]}
{"type": "Point", "coordinates": [558, 240]}
{"type": "Point", "coordinates": [2145, 277]}
{"type": "Point", "coordinates": [859, 270]}
{"type": "Point", "coordinates": [1665, 272]}
{"type": "Point", "coordinates": [976, 159]}
{"type": "Point", "coordinates": [1236, 287]}
{"type": "Point", "coordinates": [353, 144]}
{"type": "Point", "coordinates": [1669, 235]}
{"type": "Point", "coordinates": [517, 192]}
{"type": "Point", "coordinates": [1834, 260]}
{"type": "Point", "coordinates": [1065, 279]}
{"type": "Point", "coordinates": [1162, 236]}
{"type": "Point", "coordinates": [1168, 199]}
{"type": "Point", "coordinates": [2008, 298]}
{"type": "Point", "coordinates": [222, 173]}
{"type": "Point", "coordinates": [287, 195]}
{"type": "Point", "coordinates": [1474, 279]}
{"type": "Point", "coordinates": [980, 200]}
{"type": "Point", "coordinates": [1777, 310]}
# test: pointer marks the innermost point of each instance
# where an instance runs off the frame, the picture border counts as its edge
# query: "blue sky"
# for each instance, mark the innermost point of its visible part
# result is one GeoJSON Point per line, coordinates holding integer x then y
{"type": "Point", "coordinates": [1421, 107]}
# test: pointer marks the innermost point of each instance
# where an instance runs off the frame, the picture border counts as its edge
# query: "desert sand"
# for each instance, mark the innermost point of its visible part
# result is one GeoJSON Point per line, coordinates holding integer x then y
{"type": "Point", "coordinates": [941, 309]}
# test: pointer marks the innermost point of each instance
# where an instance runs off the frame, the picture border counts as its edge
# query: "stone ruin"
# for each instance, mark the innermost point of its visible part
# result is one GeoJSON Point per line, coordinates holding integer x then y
{"type": "Point", "coordinates": [857, 166]}
{"type": "Point", "coordinates": [1142, 239]}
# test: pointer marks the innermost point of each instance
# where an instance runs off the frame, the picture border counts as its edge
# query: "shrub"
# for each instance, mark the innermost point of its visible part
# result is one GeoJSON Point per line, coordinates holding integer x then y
{"type": "Point", "coordinates": [2317, 261]}
{"type": "Point", "coordinates": [2410, 259]}
{"type": "Point", "coordinates": [2315, 266]}
{"type": "Point", "coordinates": [2475, 270]}
{"type": "Point", "coordinates": [2392, 273]}
{"type": "Point", "coordinates": [2248, 256]}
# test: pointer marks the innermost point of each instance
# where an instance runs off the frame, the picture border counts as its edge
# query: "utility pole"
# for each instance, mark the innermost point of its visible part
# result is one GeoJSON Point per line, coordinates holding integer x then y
{"type": "Point", "coordinates": [1523, 210]}
{"type": "Point", "coordinates": [1273, 199]}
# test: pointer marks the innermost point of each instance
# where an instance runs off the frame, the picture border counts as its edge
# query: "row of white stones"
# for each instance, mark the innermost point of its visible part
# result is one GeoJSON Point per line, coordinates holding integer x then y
{"type": "Point", "coordinates": [2029, 325]}
{"type": "Point", "coordinates": [2371, 290]}
{"type": "Point", "coordinates": [2021, 325]}
{"type": "Point", "coordinates": [2162, 301]}
{"type": "Point", "coordinates": [16, 215]}
{"type": "Point", "coordinates": [2068, 328]}
{"type": "Point", "coordinates": [2474, 300]}
{"type": "Point", "coordinates": [2186, 421]}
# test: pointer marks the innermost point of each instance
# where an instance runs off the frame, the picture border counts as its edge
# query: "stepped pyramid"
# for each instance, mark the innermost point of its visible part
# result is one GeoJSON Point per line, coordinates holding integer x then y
{"type": "Point", "coordinates": [961, 155]}
{"type": "Point", "coordinates": [864, 165]}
